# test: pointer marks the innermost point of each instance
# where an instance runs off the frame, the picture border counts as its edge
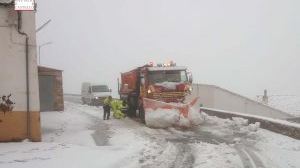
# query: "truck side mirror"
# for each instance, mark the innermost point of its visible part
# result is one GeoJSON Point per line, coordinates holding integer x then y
{"type": "Point", "coordinates": [110, 90]}
{"type": "Point", "coordinates": [190, 78]}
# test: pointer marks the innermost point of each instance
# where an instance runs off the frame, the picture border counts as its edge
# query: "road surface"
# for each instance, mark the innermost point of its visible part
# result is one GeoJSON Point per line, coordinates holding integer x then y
{"type": "Point", "coordinates": [181, 143]}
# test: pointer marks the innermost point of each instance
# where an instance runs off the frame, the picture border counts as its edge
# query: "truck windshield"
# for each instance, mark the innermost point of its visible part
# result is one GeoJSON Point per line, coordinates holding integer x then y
{"type": "Point", "coordinates": [100, 88]}
{"type": "Point", "coordinates": [167, 76]}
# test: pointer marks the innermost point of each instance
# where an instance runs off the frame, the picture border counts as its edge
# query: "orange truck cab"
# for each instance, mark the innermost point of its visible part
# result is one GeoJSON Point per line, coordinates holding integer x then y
{"type": "Point", "coordinates": [163, 82]}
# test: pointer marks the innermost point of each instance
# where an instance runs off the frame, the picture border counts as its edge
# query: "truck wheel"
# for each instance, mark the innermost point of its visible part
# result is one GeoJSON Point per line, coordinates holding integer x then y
{"type": "Point", "coordinates": [131, 111]}
{"type": "Point", "coordinates": [142, 114]}
{"type": "Point", "coordinates": [131, 107]}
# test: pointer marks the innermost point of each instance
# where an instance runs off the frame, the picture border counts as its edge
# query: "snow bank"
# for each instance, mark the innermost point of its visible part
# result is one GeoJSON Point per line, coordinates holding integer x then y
{"type": "Point", "coordinates": [236, 126]}
{"type": "Point", "coordinates": [279, 121]}
{"type": "Point", "coordinates": [241, 125]}
{"type": "Point", "coordinates": [195, 117]}
{"type": "Point", "coordinates": [163, 118]}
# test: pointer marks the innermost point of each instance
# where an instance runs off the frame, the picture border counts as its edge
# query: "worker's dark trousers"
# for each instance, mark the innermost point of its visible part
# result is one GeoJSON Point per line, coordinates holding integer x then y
{"type": "Point", "coordinates": [106, 113]}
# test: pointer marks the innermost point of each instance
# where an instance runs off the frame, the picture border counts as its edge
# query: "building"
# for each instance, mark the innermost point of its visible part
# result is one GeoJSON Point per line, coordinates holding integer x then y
{"type": "Point", "coordinates": [218, 98]}
{"type": "Point", "coordinates": [51, 89]}
{"type": "Point", "coordinates": [20, 113]}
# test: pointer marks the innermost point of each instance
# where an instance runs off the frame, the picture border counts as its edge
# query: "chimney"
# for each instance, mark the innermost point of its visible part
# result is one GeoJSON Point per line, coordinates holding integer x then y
{"type": "Point", "coordinates": [265, 97]}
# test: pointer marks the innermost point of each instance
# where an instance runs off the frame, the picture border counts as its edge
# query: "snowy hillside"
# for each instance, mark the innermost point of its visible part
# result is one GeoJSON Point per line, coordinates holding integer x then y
{"type": "Point", "coordinates": [289, 104]}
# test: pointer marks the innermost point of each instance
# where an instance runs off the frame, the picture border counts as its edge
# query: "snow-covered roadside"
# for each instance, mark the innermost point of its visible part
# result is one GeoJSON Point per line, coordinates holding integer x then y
{"type": "Point", "coordinates": [70, 139]}
{"type": "Point", "coordinates": [68, 142]}
{"type": "Point", "coordinates": [271, 149]}
{"type": "Point", "coordinates": [282, 151]}
{"type": "Point", "coordinates": [37, 155]}
{"type": "Point", "coordinates": [278, 121]}
{"type": "Point", "coordinates": [67, 126]}
{"type": "Point", "coordinates": [286, 103]}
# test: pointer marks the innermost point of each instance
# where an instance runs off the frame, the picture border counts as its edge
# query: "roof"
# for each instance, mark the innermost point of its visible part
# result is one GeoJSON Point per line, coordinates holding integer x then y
{"type": "Point", "coordinates": [166, 68]}
{"type": "Point", "coordinates": [43, 68]}
{"type": "Point", "coordinates": [95, 84]}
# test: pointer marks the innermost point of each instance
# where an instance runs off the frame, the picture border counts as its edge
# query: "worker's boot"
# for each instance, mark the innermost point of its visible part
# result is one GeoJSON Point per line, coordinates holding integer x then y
{"type": "Point", "coordinates": [108, 114]}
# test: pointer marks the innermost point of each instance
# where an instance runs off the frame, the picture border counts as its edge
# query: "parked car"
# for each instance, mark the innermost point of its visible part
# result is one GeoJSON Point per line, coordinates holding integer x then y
{"type": "Point", "coordinates": [94, 94]}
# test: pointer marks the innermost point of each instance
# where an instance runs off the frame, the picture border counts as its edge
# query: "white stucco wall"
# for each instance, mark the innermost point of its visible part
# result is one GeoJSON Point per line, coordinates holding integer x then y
{"type": "Point", "coordinates": [12, 58]}
{"type": "Point", "coordinates": [215, 97]}
{"type": "Point", "coordinates": [205, 94]}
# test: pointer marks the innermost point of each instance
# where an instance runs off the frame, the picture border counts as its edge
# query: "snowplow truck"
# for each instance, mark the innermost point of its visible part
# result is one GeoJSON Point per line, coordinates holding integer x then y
{"type": "Point", "coordinates": [150, 87]}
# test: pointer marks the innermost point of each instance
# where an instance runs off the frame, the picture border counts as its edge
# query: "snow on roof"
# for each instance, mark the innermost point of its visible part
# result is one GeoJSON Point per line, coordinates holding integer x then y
{"type": "Point", "coordinates": [166, 68]}
{"type": "Point", "coordinates": [95, 84]}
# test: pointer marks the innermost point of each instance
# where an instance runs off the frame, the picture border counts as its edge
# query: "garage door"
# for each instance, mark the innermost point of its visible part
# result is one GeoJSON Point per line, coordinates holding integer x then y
{"type": "Point", "coordinates": [46, 84]}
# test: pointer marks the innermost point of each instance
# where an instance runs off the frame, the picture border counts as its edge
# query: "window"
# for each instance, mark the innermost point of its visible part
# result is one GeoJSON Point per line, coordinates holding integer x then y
{"type": "Point", "coordinates": [167, 76]}
{"type": "Point", "coordinates": [100, 88]}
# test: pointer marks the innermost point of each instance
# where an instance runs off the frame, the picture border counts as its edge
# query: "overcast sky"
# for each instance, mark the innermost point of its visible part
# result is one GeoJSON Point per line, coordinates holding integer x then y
{"type": "Point", "coordinates": [242, 45]}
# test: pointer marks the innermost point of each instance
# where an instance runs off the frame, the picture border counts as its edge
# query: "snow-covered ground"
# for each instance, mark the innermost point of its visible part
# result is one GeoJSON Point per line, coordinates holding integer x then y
{"type": "Point", "coordinates": [78, 137]}
{"type": "Point", "coordinates": [288, 103]}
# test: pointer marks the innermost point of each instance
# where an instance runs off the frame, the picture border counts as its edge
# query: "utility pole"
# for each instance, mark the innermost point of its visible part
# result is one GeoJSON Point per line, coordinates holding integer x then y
{"type": "Point", "coordinates": [44, 44]}
{"type": "Point", "coordinates": [40, 46]}
{"type": "Point", "coordinates": [43, 25]}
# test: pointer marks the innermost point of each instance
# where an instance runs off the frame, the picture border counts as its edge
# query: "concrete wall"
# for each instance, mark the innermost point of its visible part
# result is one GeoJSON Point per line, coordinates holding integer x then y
{"type": "Point", "coordinates": [278, 126]}
{"type": "Point", "coordinates": [215, 97]}
{"type": "Point", "coordinates": [13, 125]}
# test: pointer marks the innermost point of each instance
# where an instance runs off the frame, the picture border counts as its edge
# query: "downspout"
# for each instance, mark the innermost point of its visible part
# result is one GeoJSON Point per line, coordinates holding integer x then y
{"type": "Point", "coordinates": [27, 71]}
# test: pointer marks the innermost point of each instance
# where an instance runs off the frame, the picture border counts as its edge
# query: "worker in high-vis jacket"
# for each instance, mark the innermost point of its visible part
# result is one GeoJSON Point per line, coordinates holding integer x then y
{"type": "Point", "coordinates": [124, 108]}
{"type": "Point", "coordinates": [107, 107]}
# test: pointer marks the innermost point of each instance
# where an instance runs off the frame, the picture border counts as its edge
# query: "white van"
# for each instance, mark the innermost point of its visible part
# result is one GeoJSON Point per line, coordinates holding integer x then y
{"type": "Point", "coordinates": [94, 94]}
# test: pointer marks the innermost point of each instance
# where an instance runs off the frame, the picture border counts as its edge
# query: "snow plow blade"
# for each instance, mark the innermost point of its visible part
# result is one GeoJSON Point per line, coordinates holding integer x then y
{"type": "Point", "coordinates": [183, 108]}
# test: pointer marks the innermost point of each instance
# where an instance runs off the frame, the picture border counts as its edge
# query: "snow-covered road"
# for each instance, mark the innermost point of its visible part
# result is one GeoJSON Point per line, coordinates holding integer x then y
{"type": "Point", "coordinates": [78, 137]}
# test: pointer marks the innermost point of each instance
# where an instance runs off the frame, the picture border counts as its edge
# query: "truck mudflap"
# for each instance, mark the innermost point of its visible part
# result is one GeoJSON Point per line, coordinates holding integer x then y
{"type": "Point", "coordinates": [153, 105]}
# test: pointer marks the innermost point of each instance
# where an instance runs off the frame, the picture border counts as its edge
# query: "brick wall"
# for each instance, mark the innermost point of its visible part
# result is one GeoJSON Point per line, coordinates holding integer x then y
{"type": "Point", "coordinates": [58, 86]}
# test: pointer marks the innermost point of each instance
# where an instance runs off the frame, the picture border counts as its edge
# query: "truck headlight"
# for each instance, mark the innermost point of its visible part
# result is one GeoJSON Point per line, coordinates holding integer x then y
{"type": "Point", "coordinates": [190, 88]}
{"type": "Point", "coordinates": [149, 91]}
{"type": "Point", "coordinates": [96, 97]}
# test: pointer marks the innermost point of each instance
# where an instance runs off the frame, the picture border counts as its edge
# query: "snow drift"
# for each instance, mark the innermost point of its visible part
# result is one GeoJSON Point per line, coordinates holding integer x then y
{"type": "Point", "coordinates": [163, 118]}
